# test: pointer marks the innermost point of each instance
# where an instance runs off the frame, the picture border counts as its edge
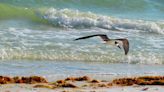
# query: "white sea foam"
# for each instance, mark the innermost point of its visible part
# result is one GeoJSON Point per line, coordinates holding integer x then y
{"type": "Point", "coordinates": [81, 55]}
{"type": "Point", "coordinates": [59, 45]}
{"type": "Point", "coordinates": [75, 19]}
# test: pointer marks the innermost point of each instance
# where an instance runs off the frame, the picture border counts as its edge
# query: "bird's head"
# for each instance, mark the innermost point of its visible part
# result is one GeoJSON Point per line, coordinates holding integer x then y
{"type": "Point", "coordinates": [117, 44]}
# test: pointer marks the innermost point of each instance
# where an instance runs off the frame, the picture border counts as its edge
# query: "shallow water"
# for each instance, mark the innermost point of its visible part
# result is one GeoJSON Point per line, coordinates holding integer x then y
{"type": "Point", "coordinates": [37, 37]}
{"type": "Point", "coordinates": [57, 44]}
{"type": "Point", "coordinates": [53, 70]}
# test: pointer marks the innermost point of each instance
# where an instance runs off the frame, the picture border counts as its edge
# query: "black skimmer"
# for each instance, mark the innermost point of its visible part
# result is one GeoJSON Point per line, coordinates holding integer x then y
{"type": "Point", "coordinates": [117, 42]}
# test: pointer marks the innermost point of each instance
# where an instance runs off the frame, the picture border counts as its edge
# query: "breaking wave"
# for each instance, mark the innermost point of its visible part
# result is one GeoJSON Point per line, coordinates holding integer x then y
{"type": "Point", "coordinates": [31, 44]}
{"type": "Point", "coordinates": [141, 58]}
{"type": "Point", "coordinates": [76, 19]}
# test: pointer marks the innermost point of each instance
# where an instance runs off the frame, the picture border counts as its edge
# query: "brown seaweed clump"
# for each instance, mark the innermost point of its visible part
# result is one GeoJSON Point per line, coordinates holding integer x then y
{"type": "Point", "coordinates": [94, 81]}
{"type": "Point", "coordinates": [69, 85]}
{"type": "Point", "coordinates": [150, 80]}
{"type": "Point", "coordinates": [70, 82]}
{"type": "Point", "coordinates": [83, 78]}
{"type": "Point", "coordinates": [145, 80]}
{"type": "Point", "coordinates": [63, 83]}
{"type": "Point", "coordinates": [83, 82]}
{"type": "Point", "coordinates": [124, 81]}
{"type": "Point", "coordinates": [28, 80]}
{"type": "Point", "coordinates": [6, 80]}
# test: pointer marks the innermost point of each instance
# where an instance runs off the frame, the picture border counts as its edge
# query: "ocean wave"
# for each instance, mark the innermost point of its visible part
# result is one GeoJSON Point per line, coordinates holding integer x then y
{"type": "Point", "coordinates": [140, 58]}
{"type": "Point", "coordinates": [76, 19]}
{"type": "Point", "coordinates": [27, 44]}
{"type": "Point", "coordinates": [23, 13]}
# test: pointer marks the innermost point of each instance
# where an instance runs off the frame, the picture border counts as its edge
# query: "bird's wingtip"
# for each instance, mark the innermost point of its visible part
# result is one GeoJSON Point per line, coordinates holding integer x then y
{"type": "Point", "coordinates": [76, 39]}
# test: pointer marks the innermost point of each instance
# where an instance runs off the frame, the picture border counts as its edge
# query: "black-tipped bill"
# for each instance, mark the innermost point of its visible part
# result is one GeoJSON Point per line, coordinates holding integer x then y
{"type": "Point", "coordinates": [119, 46]}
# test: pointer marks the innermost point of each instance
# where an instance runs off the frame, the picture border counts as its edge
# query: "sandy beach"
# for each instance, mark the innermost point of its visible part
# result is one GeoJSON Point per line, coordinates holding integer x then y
{"type": "Point", "coordinates": [29, 88]}
{"type": "Point", "coordinates": [82, 84]}
{"type": "Point", "coordinates": [79, 77]}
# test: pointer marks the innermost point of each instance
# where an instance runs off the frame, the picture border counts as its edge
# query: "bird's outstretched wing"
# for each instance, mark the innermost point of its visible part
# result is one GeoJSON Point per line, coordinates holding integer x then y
{"type": "Point", "coordinates": [125, 42]}
{"type": "Point", "coordinates": [125, 45]}
{"type": "Point", "coordinates": [103, 37]}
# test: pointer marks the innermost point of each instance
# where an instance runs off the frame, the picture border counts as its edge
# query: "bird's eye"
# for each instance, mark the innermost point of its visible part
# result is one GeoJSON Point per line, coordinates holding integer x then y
{"type": "Point", "coordinates": [116, 42]}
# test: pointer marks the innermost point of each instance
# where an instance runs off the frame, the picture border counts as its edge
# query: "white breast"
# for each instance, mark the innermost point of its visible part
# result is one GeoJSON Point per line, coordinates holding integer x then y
{"type": "Point", "coordinates": [111, 42]}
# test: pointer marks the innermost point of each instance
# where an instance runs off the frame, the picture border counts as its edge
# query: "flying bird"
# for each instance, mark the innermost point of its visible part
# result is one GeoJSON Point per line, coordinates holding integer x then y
{"type": "Point", "coordinates": [122, 42]}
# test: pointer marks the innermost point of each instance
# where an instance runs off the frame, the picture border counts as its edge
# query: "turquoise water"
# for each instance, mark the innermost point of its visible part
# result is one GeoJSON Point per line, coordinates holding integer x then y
{"type": "Point", "coordinates": [145, 9]}
{"type": "Point", "coordinates": [42, 31]}
{"type": "Point", "coordinates": [60, 70]}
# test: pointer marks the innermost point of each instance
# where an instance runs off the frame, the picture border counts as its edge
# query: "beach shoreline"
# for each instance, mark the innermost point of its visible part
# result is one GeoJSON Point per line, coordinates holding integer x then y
{"type": "Point", "coordinates": [81, 84]}
{"type": "Point", "coordinates": [29, 88]}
